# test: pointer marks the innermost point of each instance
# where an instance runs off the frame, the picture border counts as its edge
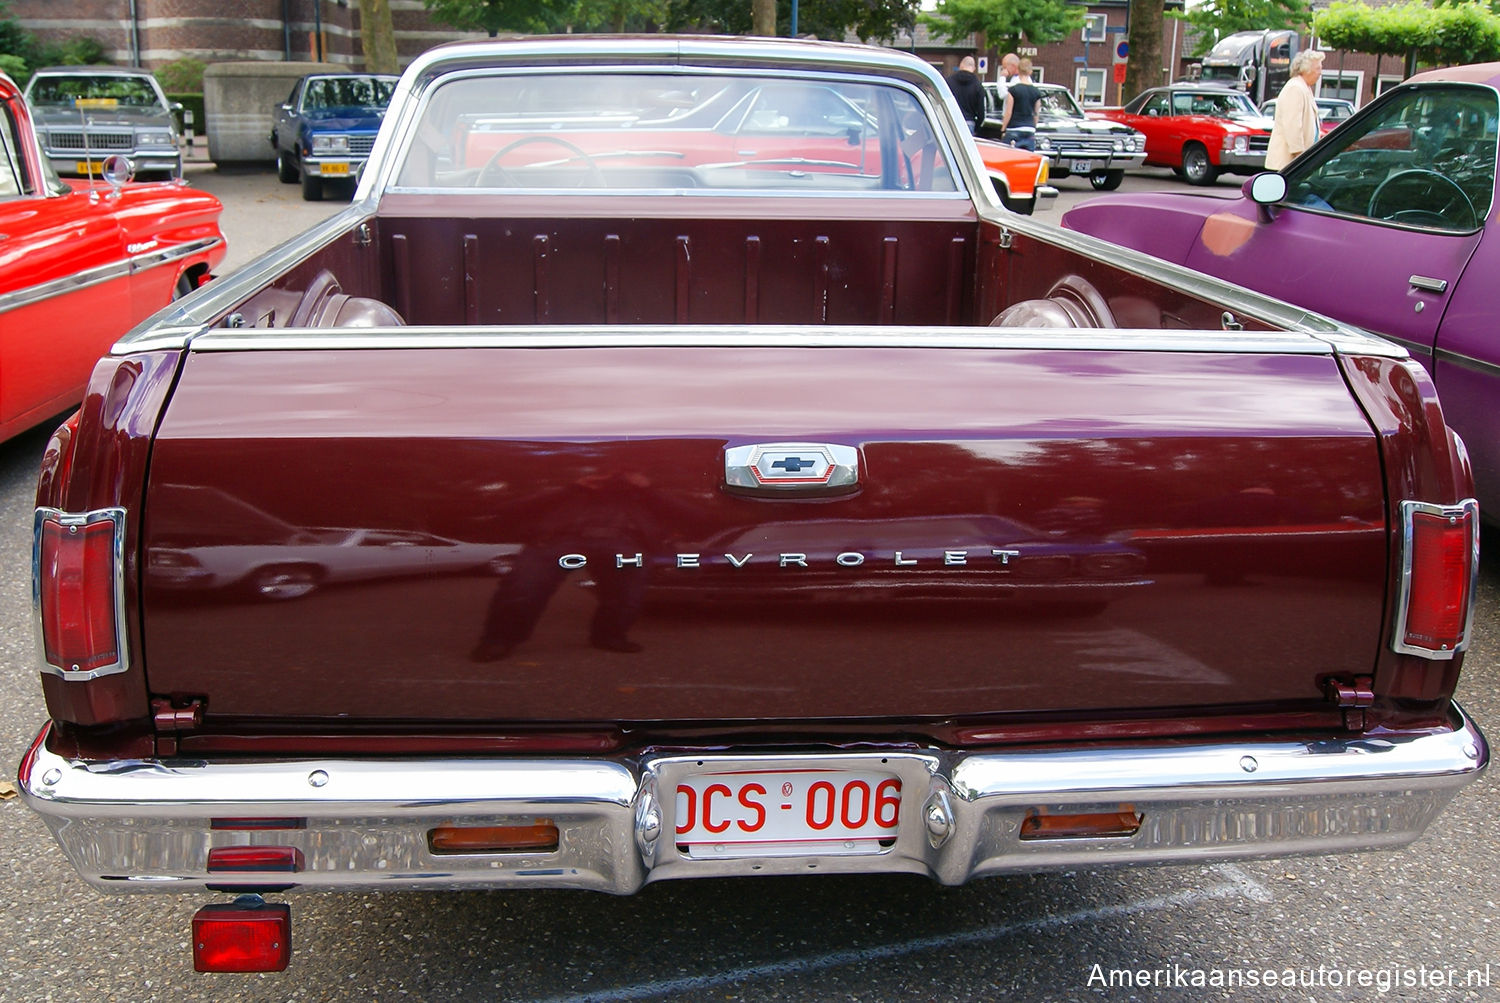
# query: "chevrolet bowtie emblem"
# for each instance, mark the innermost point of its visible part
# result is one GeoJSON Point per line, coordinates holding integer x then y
{"type": "Point", "coordinates": [791, 466]}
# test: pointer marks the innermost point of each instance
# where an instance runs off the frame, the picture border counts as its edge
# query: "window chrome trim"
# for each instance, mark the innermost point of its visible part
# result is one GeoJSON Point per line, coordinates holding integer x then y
{"type": "Point", "coordinates": [132, 265]}
{"type": "Point", "coordinates": [1409, 510]}
{"type": "Point", "coordinates": [116, 516]}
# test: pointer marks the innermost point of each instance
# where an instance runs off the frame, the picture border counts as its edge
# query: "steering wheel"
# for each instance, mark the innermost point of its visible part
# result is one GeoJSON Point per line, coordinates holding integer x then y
{"type": "Point", "coordinates": [1420, 182]}
{"type": "Point", "coordinates": [493, 164]}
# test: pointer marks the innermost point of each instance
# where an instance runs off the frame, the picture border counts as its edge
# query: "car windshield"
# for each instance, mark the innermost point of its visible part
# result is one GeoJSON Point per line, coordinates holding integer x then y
{"type": "Point", "coordinates": [1427, 158]}
{"type": "Point", "coordinates": [1220, 104]}
{"type": "Point", "coordinates": [673, 131]}
{"type": "Point", "coordinates": [348, 92]}
{"type": "Point", "coordinates": [1058, 103]}
{"type": "Point", "coordinates": [86, 91]}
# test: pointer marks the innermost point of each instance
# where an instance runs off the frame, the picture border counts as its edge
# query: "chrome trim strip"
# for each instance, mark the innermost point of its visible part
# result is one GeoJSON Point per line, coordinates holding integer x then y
{"type": "Point", "coordinates": [1468, 362]}
{"type": "Point", "coordinates": [104, 273]}
{"type": "Point", "coordinates": [1469, 508]}
{"type": "Point", "coordinates": [821, 336]}
{"type": "Point", "coordinates": [145, 825]}
{"type": "Point", "coordinates": [116, 516]}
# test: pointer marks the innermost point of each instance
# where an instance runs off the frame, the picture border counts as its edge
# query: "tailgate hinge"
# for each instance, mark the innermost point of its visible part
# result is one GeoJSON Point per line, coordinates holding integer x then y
{"type": "Point", "coordinates": [1352, 698]}
{"type": "Point", "coordinates": [1006, 239]}
{"type": "Point", "coordinates": [177, 715]}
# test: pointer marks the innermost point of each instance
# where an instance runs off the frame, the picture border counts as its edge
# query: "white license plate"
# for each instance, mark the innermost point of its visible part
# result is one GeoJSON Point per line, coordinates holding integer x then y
{"type": "Point", "coordinates": [787, 813]}
{"type": "Point", "coordinates": [334, 167]}
{"type": "Point", "coordinates": [1081, 166]}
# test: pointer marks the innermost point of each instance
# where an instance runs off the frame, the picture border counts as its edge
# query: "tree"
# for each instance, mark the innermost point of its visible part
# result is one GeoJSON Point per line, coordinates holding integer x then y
{"type": "Point", "coordinates": [1143, 68]}
{"type": "Point", "coordinates": [495, 16]}
{"type": "Point", "coordinates": [377, 36]}
{"type": "Point", "coordinates": [763, 17]}
{"type": "Point", "coordinates": [1006, 23]}
{"type": "Point", "coordinates": [827, 19]}
{"type": "Point", "coordinates": [1216, 18]}
{"type": "Point", "coordinates": [1454, 33]}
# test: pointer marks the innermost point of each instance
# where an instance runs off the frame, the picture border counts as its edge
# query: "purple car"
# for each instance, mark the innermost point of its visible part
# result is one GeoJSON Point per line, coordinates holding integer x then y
{"type": "Point", "coordinates": [1381, 224]}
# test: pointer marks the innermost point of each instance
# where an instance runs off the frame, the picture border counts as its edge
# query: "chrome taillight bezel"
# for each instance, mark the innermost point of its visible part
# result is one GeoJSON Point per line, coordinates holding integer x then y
{"type": "Point", "coordinates": [116, 517]}
{"type": "Point", "coordinates": [1467, 509]}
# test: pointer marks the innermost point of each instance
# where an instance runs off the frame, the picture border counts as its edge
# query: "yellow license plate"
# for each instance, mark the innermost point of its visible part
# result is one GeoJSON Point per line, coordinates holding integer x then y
{"type": "Point", "coordinates": [90, 167]}
{"type": "Point", "coordinates": [335, 168]}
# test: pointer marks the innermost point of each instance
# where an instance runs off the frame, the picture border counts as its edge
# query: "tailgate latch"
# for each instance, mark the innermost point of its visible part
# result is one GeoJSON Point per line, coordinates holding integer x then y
{"type": "Point", "coordinates": [1352, 698]}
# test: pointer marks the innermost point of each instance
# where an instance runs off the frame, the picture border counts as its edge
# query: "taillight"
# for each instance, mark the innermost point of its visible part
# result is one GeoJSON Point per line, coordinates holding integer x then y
{"type": "Point", "coordinates": [248, 935]}
{"type": "Point", "coordinates": [1439, 561]}
{"type": "Point", "coordinates": [78, 591]}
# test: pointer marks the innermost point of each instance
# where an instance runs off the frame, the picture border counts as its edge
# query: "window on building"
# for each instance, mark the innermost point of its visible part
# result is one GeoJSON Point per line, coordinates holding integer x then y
{"type": "Point", "coordinates": [1088, 85]}
{"type": "Point", "coordinates": [1094, 27]}
{"type": "Point", "coordinates": [1346, 85]}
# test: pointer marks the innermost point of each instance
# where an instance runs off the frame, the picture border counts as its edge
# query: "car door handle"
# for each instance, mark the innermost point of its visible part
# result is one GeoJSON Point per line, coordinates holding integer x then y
{"type": "Point", "coordinates": [1428, 284]}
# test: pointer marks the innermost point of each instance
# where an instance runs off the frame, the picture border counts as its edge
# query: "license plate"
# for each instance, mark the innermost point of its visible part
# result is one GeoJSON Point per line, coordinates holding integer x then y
{"type": "Point", "coordinates": [335, 168]}
{"type": "Point", "coordinates": [787, 813]}
{"type": "Point", "coordinates": [1081, 167]}
{"type": "Point", "coordinates": [90, 166]}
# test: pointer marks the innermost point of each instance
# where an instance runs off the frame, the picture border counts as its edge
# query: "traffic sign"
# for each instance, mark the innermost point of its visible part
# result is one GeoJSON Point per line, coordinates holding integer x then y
{"type": "Point", "coordinates": [1119, 73]}
{"type": "Point", "coordinates": [1122, 51]}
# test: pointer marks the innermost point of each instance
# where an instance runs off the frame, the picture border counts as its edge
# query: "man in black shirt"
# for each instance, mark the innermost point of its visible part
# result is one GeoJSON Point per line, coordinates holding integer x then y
{"type": "Point", "coordinates": [966, 87]}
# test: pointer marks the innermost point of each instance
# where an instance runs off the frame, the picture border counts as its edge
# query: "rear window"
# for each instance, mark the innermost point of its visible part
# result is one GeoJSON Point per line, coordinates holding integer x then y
{"type": "Point", "coordinates": [659, 131]}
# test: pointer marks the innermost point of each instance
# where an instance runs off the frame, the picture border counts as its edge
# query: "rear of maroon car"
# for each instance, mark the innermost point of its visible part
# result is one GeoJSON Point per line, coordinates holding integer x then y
{"type": "Point", "coordinates": [1047, 562]}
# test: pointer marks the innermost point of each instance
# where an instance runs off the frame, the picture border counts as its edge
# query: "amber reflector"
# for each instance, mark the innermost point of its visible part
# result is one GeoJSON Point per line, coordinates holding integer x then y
{"type": "Point", "coordinates": [242, 938]}
{"type": "Point", "coordinates": [540, 838]}
{"type": "Point", "coordinates": [1094, 824]}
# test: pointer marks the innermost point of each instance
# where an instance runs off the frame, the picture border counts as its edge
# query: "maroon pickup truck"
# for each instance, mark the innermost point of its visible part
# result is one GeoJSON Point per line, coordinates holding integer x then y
{"type": "Point", "coordinates": [676, 463]}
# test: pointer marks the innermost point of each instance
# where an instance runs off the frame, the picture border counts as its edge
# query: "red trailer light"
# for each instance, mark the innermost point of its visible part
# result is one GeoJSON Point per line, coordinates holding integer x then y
{"type": "Point", "coordinates": [1440, 557]}
{"type": "Point", "coordinates": [77, 590]}
{"type": "Point", "coordinates": [247, 935]}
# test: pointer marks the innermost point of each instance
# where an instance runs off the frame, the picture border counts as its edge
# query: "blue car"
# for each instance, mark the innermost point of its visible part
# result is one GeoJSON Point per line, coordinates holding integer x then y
{"type": "Point", "coordinates": [326, 127]}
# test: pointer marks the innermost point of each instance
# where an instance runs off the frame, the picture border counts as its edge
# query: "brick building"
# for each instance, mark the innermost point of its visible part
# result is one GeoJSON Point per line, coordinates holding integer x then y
{"type": "Point", "coordinates": [151, 33]}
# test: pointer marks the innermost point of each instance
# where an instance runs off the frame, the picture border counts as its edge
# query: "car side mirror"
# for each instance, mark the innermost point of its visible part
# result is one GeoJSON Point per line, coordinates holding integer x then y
{"type": "Point", "coordinates": [1266, 189]}
{"type": "Point", "coordinates": [117, 171]}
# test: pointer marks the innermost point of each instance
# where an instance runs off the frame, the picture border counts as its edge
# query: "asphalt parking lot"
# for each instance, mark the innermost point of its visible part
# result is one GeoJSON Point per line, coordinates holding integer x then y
{"type": "Point", "coordinates": [1417, 923]}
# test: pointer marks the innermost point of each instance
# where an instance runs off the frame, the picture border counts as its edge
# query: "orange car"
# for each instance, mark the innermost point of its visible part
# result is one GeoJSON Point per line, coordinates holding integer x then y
{"type": "Point", "coordinates": [1019, 176]}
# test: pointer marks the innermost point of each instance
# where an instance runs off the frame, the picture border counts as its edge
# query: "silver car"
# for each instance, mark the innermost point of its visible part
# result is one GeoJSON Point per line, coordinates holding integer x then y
{"type": "Point", "coordinates": [87, 113]}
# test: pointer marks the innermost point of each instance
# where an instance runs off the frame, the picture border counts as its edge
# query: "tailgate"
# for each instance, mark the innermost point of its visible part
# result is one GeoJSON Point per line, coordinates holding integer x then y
{"type": "Point", "coordinates": [510, 533]}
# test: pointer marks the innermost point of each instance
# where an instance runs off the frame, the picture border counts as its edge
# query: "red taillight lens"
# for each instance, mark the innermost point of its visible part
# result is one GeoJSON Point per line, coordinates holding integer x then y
{"type": "Point", "coordinates": [1442, 554]}
{"type": "Point", "coordinates": [232, 859]}
{"type": "Point", "coordinates": [77, 588]}
{"type": "Point", "coordinates": [243, 936]}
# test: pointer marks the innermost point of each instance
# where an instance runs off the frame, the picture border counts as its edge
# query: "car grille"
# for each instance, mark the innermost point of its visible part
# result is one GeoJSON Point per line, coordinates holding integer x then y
{"type": "Point", "coordinates": [97, 141]}
{"type": "Point", "coordinates": [1260, 144]}
{"type": "Point", "coordinates": [361, 144]}
{"type": "Point", "coordinates": [1071, 147]}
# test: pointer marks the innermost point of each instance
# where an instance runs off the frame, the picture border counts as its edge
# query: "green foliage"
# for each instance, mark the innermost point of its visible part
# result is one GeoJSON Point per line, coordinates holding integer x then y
{"type": "Point", "coordinates": [1216, 18]}
{"type": "Point", "coordinates": [617, 15]}
{"type": "Point", "coordinates": [1006, 23]}
{"type": "Point", "coordinates": [1453, 33]}
{"type": "Point", "coordinates": [495, 16]}
{"type": "Point", "coordinates": [80, 50]}
{"type": "Point", "coordinates": [828, 19]}
{"type": "Point", "coordinates": [182, 76]}
{"type": "Point", "coordinates": [15, 68]}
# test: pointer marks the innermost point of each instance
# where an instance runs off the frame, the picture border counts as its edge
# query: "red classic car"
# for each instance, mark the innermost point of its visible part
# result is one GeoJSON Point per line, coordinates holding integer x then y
{"type": "Point", "coordinates": [1197, 130]}
{"type": "Point", "coordinates": [81, 263]}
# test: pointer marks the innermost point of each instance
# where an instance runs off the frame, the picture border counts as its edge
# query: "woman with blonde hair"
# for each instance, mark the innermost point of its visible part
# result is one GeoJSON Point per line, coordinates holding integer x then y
{"type": "Point", "coordinates": [1296, 124]}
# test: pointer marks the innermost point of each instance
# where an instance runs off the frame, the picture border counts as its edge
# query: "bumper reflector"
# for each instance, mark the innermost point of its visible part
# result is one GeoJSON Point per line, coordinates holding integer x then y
{"type": "Point", "coordinates": [539, 838]}
{"type": "Point", "coordinates": [247, 935]}
{"type": "Point", "coordinates": [236, 859]}
{"type": "Point", "coordinates": [1088, 826]}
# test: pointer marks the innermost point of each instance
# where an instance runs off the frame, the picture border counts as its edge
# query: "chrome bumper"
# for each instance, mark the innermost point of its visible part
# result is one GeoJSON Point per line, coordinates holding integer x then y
{"type": "Point", "coordinates": [1062, 161]}
{"type": "Point", "coordinates": [363, 824]}
{"type": "Point", "coordinates": [1244, 162]}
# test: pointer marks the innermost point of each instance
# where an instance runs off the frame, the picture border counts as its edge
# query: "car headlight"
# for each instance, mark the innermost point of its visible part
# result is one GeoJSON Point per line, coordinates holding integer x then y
{"type": "Point", "coordinates": [1119, 145]}
{"type": "Point", "coordinates": [330, 144]}
{"type": "Point", "coordinates": [1242, 144]}
{"type": "Point", "coordinates": [1043, 143]}
{"type": "Point", "coordinates": [158, 137]}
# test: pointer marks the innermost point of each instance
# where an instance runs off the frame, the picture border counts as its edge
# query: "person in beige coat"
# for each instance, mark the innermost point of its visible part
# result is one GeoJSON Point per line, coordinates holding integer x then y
{"type": "Point", "coordinates": [1296, 123]}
